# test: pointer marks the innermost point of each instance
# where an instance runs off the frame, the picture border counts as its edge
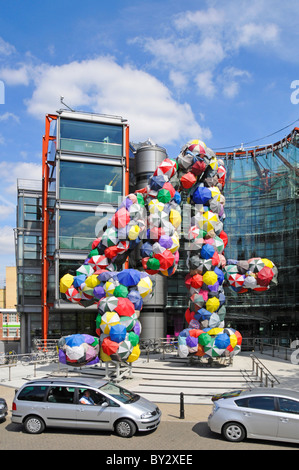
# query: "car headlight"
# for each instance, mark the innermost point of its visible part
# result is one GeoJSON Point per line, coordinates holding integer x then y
{"type": "Point", "coordinates": [2, 407]}
{"type": "Point", "coordinates": [148, 414]}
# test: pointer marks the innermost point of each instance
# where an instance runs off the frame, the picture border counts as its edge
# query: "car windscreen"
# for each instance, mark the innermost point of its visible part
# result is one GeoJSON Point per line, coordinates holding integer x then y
{"type": "Point", "coordinates": [119, 393]}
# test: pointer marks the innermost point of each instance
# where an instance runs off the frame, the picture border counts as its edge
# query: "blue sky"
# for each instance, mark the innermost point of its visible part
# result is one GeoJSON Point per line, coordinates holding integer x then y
{"type": "Point", "coordinates": [216, 70]}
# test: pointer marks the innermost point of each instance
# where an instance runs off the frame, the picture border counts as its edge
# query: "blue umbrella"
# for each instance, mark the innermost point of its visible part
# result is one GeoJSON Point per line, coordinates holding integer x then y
{"type": "Point", "coordinates": [78, 280]}
{"type": "Point", "coordinates": [222, 341]}
{"type": "Point", "coordinates": [207, 251]}
{"type": "Point", "coordinates": [191, 341]}
{"type": "Point", "coordinates": [202, 314]}
{"type": "Point", "coordinates": [129, 277]}
{"type": "Point", "coordinates": [156, 182]}
{"type": "Point", "coordinates": [99, 292]}
{"type": "Point", "coordinates": [74, 340]}
{"type": "Point", "coordinates": [202, 195]}
{"type": "Point", "coordinates": [136, 299]}
{"type": "Point", "coordinates": [146, 250]}
{"type": "Point", "coordinates": [118, 333]}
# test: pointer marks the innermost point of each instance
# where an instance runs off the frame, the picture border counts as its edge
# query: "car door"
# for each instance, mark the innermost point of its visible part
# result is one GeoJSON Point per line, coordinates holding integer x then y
{"type": "Point", "coordinates": [60, 408]}
{"type": "Point", "coordinates": [288, 419]}
{"type": "Point", "coordinates": [96, 415]}
{"type": "Point", "coordinates": [259, 416]}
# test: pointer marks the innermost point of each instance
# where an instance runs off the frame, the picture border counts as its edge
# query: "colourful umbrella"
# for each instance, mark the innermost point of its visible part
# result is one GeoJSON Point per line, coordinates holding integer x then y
{"type": "Point", "coordinates": [145, 286]}
{"type": "Point", "coordinates": [73, 295]}
{"type": "Point", "coordinates": [86, 269]}
{"type": "Point", "coordinates": [118, 333]}
{"type": "Point", "coordinates": [108, 320]}
{"type": "Point", "coordinates": [124, 307]}
{"type": "Point", "coordinates": [65, 283]}
{"type": "Point", "coordinates": [125, 349]}
{"type": "Point", "coordinates": [121, 218]}
{"type": "Point", "coordinates": [197, 147]}
{"type": "Point", "coordinates": [236, 280]}
{"type": "Point", "coordinates": [109, 347]}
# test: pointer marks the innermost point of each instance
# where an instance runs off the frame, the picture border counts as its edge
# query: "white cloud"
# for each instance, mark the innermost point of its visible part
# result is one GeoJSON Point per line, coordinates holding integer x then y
{"type": "Point", "coordinates": [205, 84]}
{"type": "Point", "coordinates": [11, 171]}
{"type": "Point", "coordinates": [6, 240]}
{"type": "Point", "coordinates": [101, 85]}
{"type": "Point", "coordinates": [6, 49]}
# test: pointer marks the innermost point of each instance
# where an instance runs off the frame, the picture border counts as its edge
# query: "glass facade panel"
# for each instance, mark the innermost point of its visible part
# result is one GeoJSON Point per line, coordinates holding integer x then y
{"type": "Point", "coordinates": [90, 137]}
{"type": "Point", "coordinates": [78, 229]}
{"type": "Point", "coordinates": [261, 220]}
{"type": "Point", "coordinates": [90, 182]}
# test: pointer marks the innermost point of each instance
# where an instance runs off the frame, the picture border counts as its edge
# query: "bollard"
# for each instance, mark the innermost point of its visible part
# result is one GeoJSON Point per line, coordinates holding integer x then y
{"type": "Point", "coordinates": [182, 410]}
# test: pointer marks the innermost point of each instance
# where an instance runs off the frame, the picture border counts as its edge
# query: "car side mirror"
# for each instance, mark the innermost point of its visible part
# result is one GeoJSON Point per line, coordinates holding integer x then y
{"type": "Point", "coordinates": [105, 404]}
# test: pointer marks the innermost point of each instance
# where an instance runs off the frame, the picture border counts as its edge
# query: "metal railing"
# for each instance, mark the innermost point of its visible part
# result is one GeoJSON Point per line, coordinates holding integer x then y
{"type": "Point", "coordinates": [262, 372]}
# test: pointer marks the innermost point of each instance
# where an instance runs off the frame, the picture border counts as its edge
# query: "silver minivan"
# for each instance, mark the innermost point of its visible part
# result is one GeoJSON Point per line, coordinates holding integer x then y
{"type": "Point", "coordinates": [82, 403]}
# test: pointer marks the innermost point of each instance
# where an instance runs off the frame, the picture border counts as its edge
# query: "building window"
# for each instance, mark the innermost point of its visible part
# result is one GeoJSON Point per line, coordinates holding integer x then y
{"type": "Point", "coordinates": [89, 137]}
{"type": "Point", "coordinates": [90, 182]}
{"type": "Point", "coordinates": [78, 229]}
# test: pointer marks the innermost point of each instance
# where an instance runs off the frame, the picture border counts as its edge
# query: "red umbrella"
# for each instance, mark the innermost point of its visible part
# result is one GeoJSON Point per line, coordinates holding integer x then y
{"type": "Point", "coordinates": [109, 347]}
{"type": "Point", "coordinates": [111, 251]}
{"type": "Point", "coordinates": [121, 218]}
{"type": "Point", "coordinates": [188, 180]}
{"type": "Point", "coordinates": [169, 188]}
{"type": "Point", "coordinates": [196, 281]}
{"type": "Point", "coordinates": [195, 332]}
{"type": "Point", "coordinates": [189, 315]}
{"type": "Point", "coordinates": [166, 259]}
{"type": "Point", "coordinates": [188, 280]}
{"type": "Point", "coordinates": [125, 307]}
{"type": "Point", "coordinates": [265, 276]}
{"type": "Point", "coordinates": [198, 168]}
{"type": "Point", "coordinates": [223, 237]}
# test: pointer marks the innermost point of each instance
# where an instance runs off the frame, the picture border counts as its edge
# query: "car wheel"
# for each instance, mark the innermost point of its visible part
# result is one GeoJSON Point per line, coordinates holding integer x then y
{"type": "Point", "coordinates": [234, 432]}
{"type": "Point", "coordinates": [125, 428]}
{"type": "Point", "coordinates": [34, 425]}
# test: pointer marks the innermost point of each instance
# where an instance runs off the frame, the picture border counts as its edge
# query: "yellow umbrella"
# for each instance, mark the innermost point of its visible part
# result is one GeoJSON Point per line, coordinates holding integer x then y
{"type": "Point", "coordinates": [209, 278]}
{"type": "Point", "coordinates": [233, 340]}
{"type": "Point", "coordinates": [92, 281]}
{"type": "Point", "coordinates": [155, 206]}
{"type": "Point", "coordinates": [175, 218]}
{"type": "Point", "coordinates": [134, 354]}
{"type": "Point", "coordinates": [212, 304]}
{"type": "Point", "coordinates": [215, 331]}
{"type": "Point", "coordinates": [65, 282]}
{"type": "Point", "coordinates": [108, 319]}
{"type": "Point", "coordinates": [208, 221]}
{"type": "Point", "coordinates": [145, 286]}
{"type": "Point", "coordinates": [214, 163]}
{"type": "Point", "coordinates": [267, 263]}
{"type": "Point", "coordinates": [104, 357]}
{"type": "Point", "coordinates": [215, 192]}
{"type": "Point", "coordinates": [175, 243]}
{"type": "Point", "coordinates": [109, 287]}
{"type": "Point", "coordinates": [133, 232]}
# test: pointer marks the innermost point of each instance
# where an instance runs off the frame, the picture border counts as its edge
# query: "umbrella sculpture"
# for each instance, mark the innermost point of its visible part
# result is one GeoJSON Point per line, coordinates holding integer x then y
{"type": "Point", "coordinates": [148, 222]}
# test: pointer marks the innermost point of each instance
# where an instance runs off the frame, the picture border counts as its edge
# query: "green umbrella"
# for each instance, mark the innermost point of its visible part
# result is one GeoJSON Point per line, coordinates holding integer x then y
{"type": "Point", "coordinates": [133, 338]}
{"type": "Point", "coordinates": [164, 195]}
{"type": "Point", "coordinates": [204, 339]}
{"type": "Point", "coordinates": [110, 237]}
{"type": "Point", "coordinates": [85, 269]}
{"type": "Point", "coordinates": [153, 264]}
{"type": "Point", "coordinates": [124, 350]}
{"type": "Point", "coordinates": [129, 322]}
{"type": "Point", "coordinates": [121, 291]}
{"type": "Point", "coordinates": [98, 320]}
{"type": "Point", "coordinates": [107, 304]}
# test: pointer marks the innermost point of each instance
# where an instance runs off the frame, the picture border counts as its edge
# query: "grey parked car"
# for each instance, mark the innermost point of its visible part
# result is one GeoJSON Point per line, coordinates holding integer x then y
{"type": "Point", "coordinates": [260, 413]}
{"type": "Point", "coordinates": [84, 403]}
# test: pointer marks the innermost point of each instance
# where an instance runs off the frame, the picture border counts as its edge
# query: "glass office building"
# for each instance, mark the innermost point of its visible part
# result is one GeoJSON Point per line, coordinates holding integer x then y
{"type": "Point", "coordinates": [85, 175]}
{"type": "Point", "coordinates": [261, 193]}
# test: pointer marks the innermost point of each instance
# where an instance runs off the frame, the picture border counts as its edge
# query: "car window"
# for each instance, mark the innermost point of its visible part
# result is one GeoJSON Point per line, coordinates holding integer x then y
{"type": "Point", "coordinates": [32, 393]}
{"type": "Point", "coordinates": [120, 393]}
{"type": "Point", "coordinates": [260, 403]}
{"type": "Point", "coordinates": [61, 395]}
{"type": "Point", "coordinates": [88, 396]}
{"type": "Point", "coordinates": [288, 406]}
